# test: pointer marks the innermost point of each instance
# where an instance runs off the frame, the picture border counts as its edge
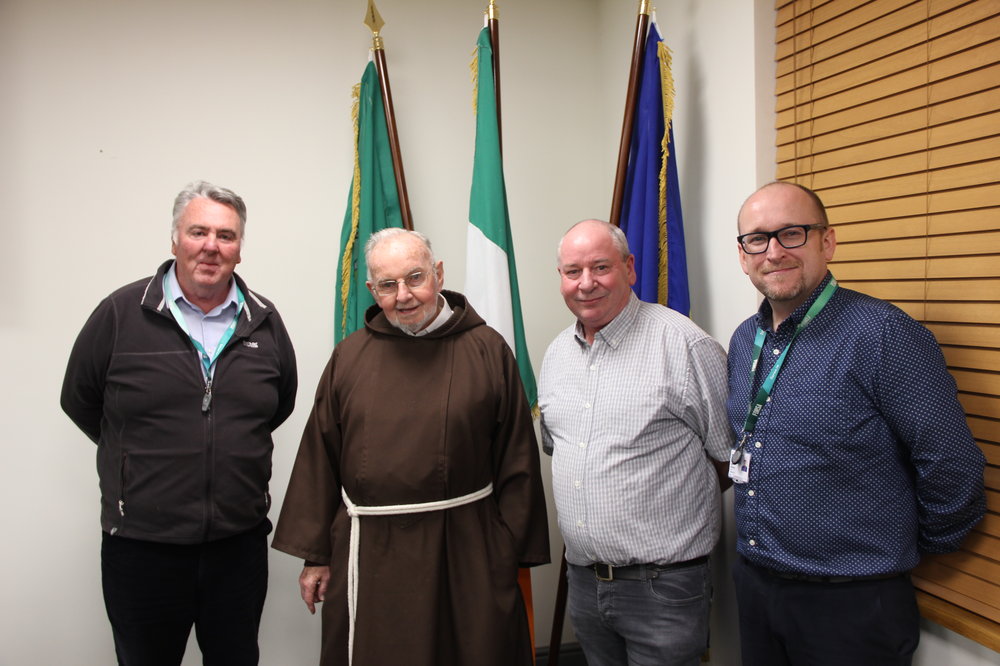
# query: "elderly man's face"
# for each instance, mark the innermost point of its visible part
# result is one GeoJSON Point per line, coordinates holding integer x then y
{"type": "Point", "coordinates": [408, 308]}
{"type": "Point", "coordinates": [596, 281]}
{"type": "Point", "coordinates": [207, 248]}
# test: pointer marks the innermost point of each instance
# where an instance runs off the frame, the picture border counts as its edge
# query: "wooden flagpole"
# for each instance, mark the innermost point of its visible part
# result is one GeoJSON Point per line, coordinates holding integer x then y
{"type": "Point", "coordinates": [635, 73]}
{"type": "Point", "coordinates": [494, 24]}
{"type": "Point", "coordinates": [374, 22]}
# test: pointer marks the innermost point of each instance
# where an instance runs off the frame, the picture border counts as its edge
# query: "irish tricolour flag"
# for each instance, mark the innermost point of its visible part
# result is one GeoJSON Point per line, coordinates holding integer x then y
{"type": "Point", "coordinates": [491, 274]}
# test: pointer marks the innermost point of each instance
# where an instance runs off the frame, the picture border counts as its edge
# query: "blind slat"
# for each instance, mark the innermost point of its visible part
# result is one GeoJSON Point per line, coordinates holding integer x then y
{"type": "Point", "coordinates": [970, 336]}
{"type": "Point", "coordinates": [979, 405]}
{"type": "Point", "coordinates": [968, 591]}
{"type": "Point", "coordinates": [913, 269]}
{"type": "Point", "coordinates": [991, 477]}
{"type": "Point", "coordinates": [974, 359]}
{"type": "Point", "coordinates": [986, 430]}
{"type": "Point", "coordinates": [976, 313]}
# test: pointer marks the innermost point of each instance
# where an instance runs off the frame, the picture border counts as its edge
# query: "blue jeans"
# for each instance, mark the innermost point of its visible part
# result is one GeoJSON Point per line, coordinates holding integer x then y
{"type": "Point", "coordinates": [653, 622]}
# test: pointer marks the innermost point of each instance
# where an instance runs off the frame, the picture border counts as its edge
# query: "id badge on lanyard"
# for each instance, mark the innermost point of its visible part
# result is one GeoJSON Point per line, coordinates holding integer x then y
{"type": "Point", "coordinates": [739, 457]}
{"type": "Point", "coordinates": [739, 462]}
{"type": "Point", "coordinates": [207, 360]}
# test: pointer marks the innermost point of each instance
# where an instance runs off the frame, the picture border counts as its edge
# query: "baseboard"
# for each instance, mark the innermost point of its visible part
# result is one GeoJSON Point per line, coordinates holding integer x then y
{"type": "Point", "coordinates": [570, 654]}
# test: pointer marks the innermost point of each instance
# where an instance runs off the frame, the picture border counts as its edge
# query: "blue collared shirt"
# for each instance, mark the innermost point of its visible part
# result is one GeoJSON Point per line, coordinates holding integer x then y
{"type": "Point", "coordinates": [862, 458]}
{"type": "Point", "coordinates": [205, 327]}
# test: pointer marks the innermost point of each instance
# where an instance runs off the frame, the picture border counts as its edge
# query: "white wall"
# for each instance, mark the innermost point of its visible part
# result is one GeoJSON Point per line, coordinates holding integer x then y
{"type": "Point", "coordinates": [111, 106]}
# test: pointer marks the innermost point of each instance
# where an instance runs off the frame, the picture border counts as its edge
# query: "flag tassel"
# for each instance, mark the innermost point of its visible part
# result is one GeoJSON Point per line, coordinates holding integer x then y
{"type": "Point", "coordinates": [348, 253]}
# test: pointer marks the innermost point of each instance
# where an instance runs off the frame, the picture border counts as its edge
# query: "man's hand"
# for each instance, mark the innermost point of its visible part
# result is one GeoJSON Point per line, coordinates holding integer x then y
{"type": "Point", "coordinates": [312, 585]}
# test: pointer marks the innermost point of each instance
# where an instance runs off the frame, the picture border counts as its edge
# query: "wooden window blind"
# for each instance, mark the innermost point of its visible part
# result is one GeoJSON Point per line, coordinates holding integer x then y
{"type": "Point", "coordinates": [890, 110]}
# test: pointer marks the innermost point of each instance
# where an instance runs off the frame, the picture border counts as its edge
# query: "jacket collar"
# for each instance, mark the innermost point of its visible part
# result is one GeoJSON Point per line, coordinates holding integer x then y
{"type": "Point", "coordinates": [255, 309]}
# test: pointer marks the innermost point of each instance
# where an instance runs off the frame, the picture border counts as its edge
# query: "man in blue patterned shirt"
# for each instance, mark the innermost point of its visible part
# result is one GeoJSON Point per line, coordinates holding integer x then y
{"type": "Point", "coordinates": [852, 455]}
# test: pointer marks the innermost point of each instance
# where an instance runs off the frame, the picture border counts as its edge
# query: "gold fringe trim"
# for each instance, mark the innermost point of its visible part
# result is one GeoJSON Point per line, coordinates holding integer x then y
{"type": "Point", "coordinates": [346, 261]}
{"type": "Point", "coordinates": [474, 73]}
{"type": "Point", "coordinates": [667, 91]}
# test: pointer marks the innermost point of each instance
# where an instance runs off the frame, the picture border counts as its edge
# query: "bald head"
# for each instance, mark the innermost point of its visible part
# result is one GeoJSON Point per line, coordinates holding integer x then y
{"type": "Point", "coordinates": [811, 200]}
{"type": "Point", "coordinates": [597, 273]}
{"type": "Point", "coordinates": [616, 235]}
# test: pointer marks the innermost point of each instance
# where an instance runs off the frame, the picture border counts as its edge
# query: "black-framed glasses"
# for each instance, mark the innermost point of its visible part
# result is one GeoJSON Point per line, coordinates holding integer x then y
{"type": "Point", "coordinates": [412, 281]}
{"type": "Point", "coordinates": [790, 237]}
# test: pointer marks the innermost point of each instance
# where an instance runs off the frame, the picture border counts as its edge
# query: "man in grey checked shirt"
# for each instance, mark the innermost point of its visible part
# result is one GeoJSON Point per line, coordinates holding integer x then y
{"type": "Point", "coordinates": [634, 414]}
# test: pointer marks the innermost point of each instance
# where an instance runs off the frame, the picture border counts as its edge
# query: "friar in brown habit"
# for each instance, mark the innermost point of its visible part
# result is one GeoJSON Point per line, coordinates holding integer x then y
{"type": "Point", "coordinates": [420, 448]}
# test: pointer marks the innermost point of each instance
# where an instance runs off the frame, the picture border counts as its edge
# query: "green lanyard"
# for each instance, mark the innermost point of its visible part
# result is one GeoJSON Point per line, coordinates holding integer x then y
{"type": "Point", "coordinates": [207, 360]}
{"type": "Point", "coordinates": [757, 404]}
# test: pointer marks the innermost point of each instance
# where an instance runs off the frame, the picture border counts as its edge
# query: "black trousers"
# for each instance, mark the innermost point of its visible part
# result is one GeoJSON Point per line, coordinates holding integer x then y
{"type": "Point", "coordinates": [155, 592]}
{"type": "Point", "coordinates": [791, 622]}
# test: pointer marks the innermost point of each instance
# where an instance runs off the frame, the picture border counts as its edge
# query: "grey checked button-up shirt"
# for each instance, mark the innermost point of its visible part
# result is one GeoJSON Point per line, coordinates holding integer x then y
{"type": "Point", "coordinates": [633, 420]}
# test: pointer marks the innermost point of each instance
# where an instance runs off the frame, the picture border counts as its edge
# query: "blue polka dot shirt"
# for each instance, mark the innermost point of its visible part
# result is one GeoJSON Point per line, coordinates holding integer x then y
{"type": "Point", "coordinates": [862, 458]}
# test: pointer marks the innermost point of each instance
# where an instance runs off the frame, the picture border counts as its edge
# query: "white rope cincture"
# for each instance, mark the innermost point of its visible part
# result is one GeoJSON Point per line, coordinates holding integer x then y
{"type": "Point", "coordinates": [355, 512]}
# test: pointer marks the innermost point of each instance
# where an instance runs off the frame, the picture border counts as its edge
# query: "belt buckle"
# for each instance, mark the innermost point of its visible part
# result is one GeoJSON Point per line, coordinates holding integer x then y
{"type": "Point", "coordinates": [609, 574]}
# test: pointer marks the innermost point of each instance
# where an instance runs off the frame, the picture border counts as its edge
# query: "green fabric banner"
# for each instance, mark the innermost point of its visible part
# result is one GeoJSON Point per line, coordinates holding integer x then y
{"type": "Point", "coordinates": [372, 205]}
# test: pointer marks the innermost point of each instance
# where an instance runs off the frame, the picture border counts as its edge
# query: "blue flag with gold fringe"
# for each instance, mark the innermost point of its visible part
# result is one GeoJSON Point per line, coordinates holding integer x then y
{"type": "Point", "coordinates": [651, 209]}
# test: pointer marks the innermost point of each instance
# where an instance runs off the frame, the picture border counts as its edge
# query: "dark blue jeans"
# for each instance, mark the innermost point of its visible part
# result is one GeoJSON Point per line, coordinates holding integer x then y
{"type": "Point", "coordinates": [862, 623]}
{"type": "Point", "coordinates": [661, 621]}
{"type": "Point", "coordinates": [155, 592]}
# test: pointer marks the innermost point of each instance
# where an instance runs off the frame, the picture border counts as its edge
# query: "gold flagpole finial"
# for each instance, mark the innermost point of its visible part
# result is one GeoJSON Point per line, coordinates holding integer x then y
{"type": "Point", "coordinates": [492, 13]}
{"type": "Point", "coordinates": [644, 7]}
{"type": "Point", "coordinates": [374, 22]}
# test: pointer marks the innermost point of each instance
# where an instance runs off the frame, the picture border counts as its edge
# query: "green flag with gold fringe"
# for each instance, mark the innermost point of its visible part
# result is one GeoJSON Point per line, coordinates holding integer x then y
{"type": "Point", "coordinates": [372, 205]}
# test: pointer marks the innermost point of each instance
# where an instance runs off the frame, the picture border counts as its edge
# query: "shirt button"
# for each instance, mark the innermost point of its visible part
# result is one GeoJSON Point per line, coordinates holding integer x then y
{"type": "Point", "coordinates": [577, 484]}
{"type": "Point", "coordinates": [580, 523]}
{"type": "Point", "coordinates": [757, 445]}
{"type": "Point", "coordinates": [583, 445]}
{"type": "Point", "coordinates": [593, 367]}
{"type": "Point", "coordinates": [753, 542]}
{"type": "Point", "coordinates": [750, 493]}
{"type": "Point", "coordinates": [586, 405]}
{"type": "Point", "coordinates": [775, 351]}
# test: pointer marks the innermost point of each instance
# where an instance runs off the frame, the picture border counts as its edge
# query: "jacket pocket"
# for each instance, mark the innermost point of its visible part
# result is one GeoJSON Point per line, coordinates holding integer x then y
{"type": "Point", "coordinates": [122, 482]}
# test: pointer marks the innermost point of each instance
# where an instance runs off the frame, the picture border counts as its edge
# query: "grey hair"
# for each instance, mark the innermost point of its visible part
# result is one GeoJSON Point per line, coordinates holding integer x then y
{"type": "Point", "coordinates": [201, 188]}
{"type": "Point", "coordinates": [378, 237]}
{"type": "Point", "coordinates": [617, 237]}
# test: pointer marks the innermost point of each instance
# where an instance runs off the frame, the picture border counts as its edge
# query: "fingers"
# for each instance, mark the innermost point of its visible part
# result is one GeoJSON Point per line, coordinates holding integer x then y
{"type": "Point", "coordinates": [313, 582]}
{"type": "Point", "coordinates": [321, 585]}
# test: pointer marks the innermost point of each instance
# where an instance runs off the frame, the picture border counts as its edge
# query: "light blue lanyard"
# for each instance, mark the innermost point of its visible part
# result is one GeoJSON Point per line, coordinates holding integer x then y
{"type": "Point", "coordinates": [207, 360]}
